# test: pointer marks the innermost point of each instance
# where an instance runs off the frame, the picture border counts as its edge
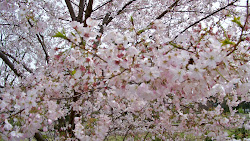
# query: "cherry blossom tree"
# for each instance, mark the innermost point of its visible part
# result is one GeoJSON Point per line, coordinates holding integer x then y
{"type": "Point", "coordinates": [133, 69]}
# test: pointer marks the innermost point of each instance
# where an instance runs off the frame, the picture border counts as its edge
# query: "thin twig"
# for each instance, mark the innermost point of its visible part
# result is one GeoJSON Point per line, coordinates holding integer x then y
{"type": "Point", "coordinates": [242, 30]}
{"type": "Point", "coordinates": [130, 126]}
{"type": "Point", "coordinates": [120, 11]}
{"type": "Point", "coordinates": [117, 74]}
{"type": "Point", "coordinates": [205, 18]}
{"type": "Point", "coordinates": [29, 70]}
{"type": "Point", "coordinates": [41, 41]}
{"type": "Point", "coordinates": [10, 24]}
{"type": "Point", "coordinates": [10, 64]}
{"type": "Point", "coordinates": [146, 136]}
{"type": "Point", "coordinates": [100, 6]}
{"type": "Point", "coordinates": [127, 4]}
{"type": "Point", "coordinates": [168, 9]}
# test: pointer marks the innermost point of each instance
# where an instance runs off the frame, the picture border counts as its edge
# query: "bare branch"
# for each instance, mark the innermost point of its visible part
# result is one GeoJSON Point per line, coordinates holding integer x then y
{"type": "Point", "coordinates": [64, 19]}
{"type": "Point", "coordinates": [168, 9]}
{"type": "Point", "coordinates": [206, 17]}
{"type": "Point", "coordinates": [127, 4]}
{"type": "Point", "coordinates": [145, 136]}
{"type": "Point", "coordinates": [107, 19]}
{"type": "Point", "coordinates": [241, 6]}
{"type": "Point", "coordinates": [126, 134]}
{"type": "Point", "coordinates": [72, 116]}
{"type": "Point", "coordinates": [165, 12]}
{"type": "Point", "coordinates": [10, 64]}
{"type": "Point", "coordinates": [100, 6]}
{"type": "Point", "coordinates": [81, 9]}
{"type": "Point", "coordinates": [242, 30]}
{"type": "Point", "coordinates": [9, 24]}
{"type": "Point", "coordinates": [88, 12]}
{"type": "Point", "coordinates": [71, 10]}
{"type": "Point", "coordinates": [25, 67]}
{"type": "Point", "coordinates": [41, 41]}
{"type": "Point", "coordinates": [118, 74]}
{"type": "Point", "coordinates": [74, 3]}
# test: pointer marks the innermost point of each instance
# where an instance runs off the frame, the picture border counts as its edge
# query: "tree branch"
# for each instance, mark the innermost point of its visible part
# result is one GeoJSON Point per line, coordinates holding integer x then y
{"type": "Point", "coordinates": [126, 134]}
{"type": "Point", "coordinates": [107, 19]}
{"type": "Point", "coordinates": [88, 12]}
{"type": "Point", "coordinates": [127, 4]}
{"type": "Point", "coordinates": [41, 41]}
{"type": "Point", "coordinates": [168, 9]}
{"type": "Point", "coordinates": [25, 67]}
{"type": "Point", "coordinates": [10, 64]}
{"type": "Point", "coordinates": [242, 30]}
{"type": "Point", "coordinates": [71, 10]}
{"type": "Point", "coordinates": [9, 24]}
{"type": "Point", "coordinates": [38, 135]}
{"type": "Point", "coordinates": [161, 15]}
{"type": "Point", "coordinates": [43, 46]}
{"type": "Point", "coordinates": [72, 117]}
{"type": "Point", "coordinates": [100, 6]}
{"type": "Point", "coordinates": [205, 18]}
{"type": "Point", "coordinates": [81, 9]}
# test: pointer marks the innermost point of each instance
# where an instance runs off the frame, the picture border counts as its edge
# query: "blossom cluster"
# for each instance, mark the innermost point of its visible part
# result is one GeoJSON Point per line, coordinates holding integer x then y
{"type": "Point", "coordinates": [132, 83]}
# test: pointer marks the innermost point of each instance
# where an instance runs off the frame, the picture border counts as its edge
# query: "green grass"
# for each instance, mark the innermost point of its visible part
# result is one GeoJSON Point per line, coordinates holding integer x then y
{"type": "Point", "coordinates": [239, 133]}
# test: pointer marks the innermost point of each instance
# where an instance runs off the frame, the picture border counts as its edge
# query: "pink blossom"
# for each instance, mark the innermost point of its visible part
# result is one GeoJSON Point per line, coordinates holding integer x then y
{"type": "Point", "coordinates": [151, 74]}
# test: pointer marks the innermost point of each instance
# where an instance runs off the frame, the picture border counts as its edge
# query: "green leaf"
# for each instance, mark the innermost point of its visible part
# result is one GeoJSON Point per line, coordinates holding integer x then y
{"type": "Point", "coordinates": [63, 31]}
{"type": "Point", "coordinates": [226, 42]}
{"type": "Point", "coordinates": [241, 110]}
{"type": "Point", "coordinates": [73, 72]}
{"type": "Point", "coordinates": [131, 19]}
{"type": "Point", "coordinates": [140, 31]}
{"type": "Point", "coordinates": [73, 34]}
{"type": "Point", "coordinates": [60, 35]}
{"type": "Point", "coordinates": [84, 43]}
{"type": "Point", "coordinates": [237, 21]}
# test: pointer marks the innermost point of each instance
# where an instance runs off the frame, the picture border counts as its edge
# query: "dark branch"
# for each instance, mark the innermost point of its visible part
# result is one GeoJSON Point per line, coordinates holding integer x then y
{"type": "Point", "coordinates": [107, 19]}
{"type": "Point", "coordinates": [104, 22]}
{"type": "Point", "coordinates": [71, 11]}
{"type": "Point", "coordinates": [165, 12]}
{"type": "Point", "coordinates": [88, 11]}
{"type": "Point", "coordinates": [81, 9]}
{"type": "Point", "coordinates": [127, 4]}
{"type": "Point", "coordinates": [72, 116]}
{"type": "Point", "coordinates": [41, 41]}
{"type": "Point", "coordinates": [9, 24]}
{"type": "Point", "coordinates": [100, 6]}
{"type": "Point", "coordinates": [126, 134]}
{"type": "Point", "coordinates": [242, 30]}
{"type": "Point", "coordinates": [64, 19]}
{"type": "Point", "coordinates": [168, 9]}
{"type": "Point", "coordinates": [240, 6]}
{"type": "Point", "coordinates": [205, 18]}
{"type": "Point", "coordinates": [74, 3]}
{"type": "Point", "coordinates": [25, 67]}
{"type": "Point", "coordinates": [10, 64]}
